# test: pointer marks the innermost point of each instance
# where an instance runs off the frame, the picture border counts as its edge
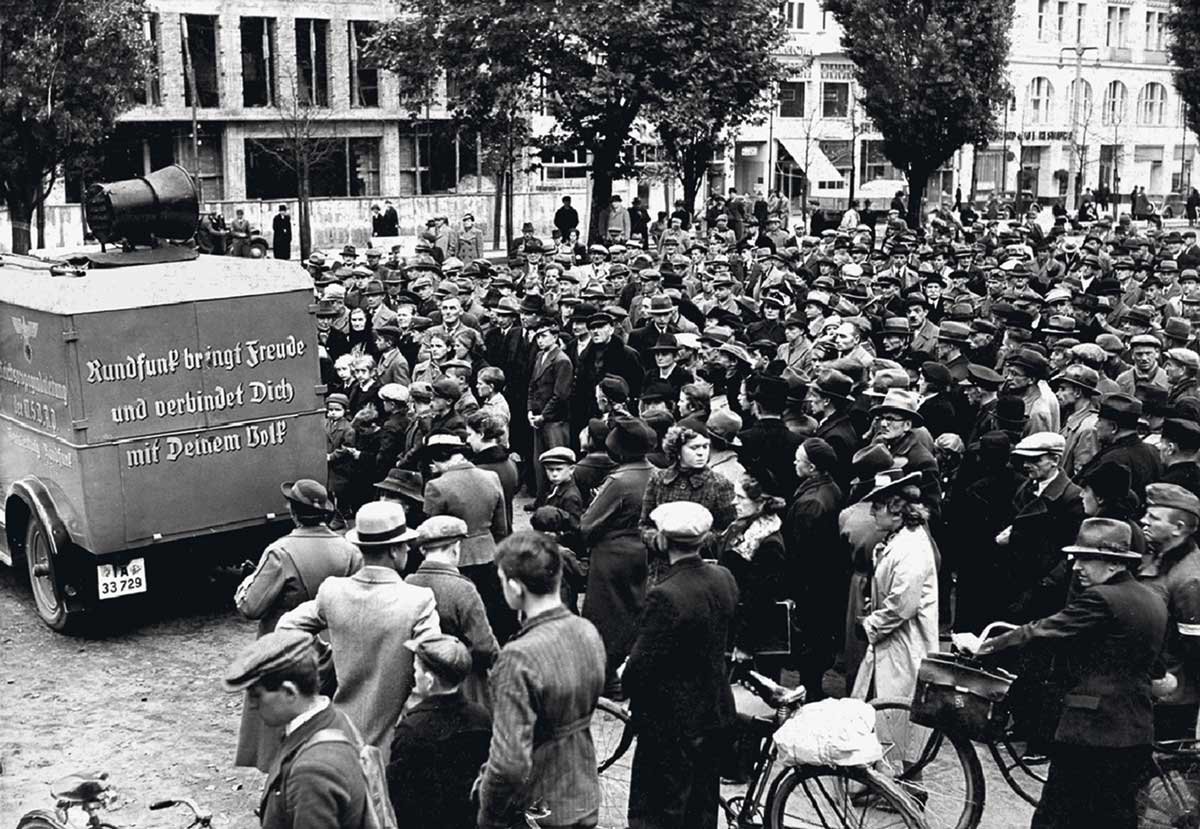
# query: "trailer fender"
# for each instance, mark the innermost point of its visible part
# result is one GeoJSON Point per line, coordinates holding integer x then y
{"type": "Point", "coordinates": [33, 496]}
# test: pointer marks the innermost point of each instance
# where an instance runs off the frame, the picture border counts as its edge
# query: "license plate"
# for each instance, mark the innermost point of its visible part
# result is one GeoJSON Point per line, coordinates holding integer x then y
{"type": "Point", "coordinates": [114, 580]}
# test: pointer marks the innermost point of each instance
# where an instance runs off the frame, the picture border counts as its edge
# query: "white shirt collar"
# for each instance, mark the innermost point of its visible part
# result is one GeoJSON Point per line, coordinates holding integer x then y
{"type": "Point", "coordinates": [300, 719]}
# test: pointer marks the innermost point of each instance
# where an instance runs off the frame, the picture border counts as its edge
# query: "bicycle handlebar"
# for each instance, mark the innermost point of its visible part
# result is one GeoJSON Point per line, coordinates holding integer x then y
{"type": "Point", "coordinates": [199, 816]}
{"type": "Point", "coordinates": [999, 626]}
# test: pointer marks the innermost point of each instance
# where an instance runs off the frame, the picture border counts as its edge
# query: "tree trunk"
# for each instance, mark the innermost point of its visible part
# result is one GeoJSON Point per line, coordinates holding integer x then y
{"type": "Point", "coordinates": [916, 192]}
{"type": "Point", "coordinates": [302, 207]}
{"type": "Point", "coordinates": [20, 212]}
{"type": "Point", "coordinates": [691, 175]}
{"type": "Point", "coordinates": [498, 208]}
{"type": "Point", "coordinates": [41, 223]}
{"type": "Point", "coordinates": [508, 205]}
{"type": "Point", "coordinates": [603, 163]}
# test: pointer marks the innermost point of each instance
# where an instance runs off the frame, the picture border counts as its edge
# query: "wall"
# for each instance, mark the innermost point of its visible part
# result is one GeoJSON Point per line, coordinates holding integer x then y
{"type": "Point", "coordinates": [338, 221]}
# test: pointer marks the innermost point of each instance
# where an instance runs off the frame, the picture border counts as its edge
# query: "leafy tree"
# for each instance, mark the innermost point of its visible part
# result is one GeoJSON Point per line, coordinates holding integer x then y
{"type": "Point", "coordinates": [931, 74]}
{"type": "Point", "coordinates": [594, 65]}
{"type": "Point", "coordinates": [68, 68]}
{"type": "Point", "coordinates": [1183, 25]}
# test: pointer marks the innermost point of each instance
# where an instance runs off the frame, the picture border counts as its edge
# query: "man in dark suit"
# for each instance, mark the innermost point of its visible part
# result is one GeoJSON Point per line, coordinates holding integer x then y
{"type": "Point", "coordinates": [768, 445]}
{"type": "Point", "coordinates": [676, 680]}
{"type": "Point", "coordinates": [937, 407]}
{"type": "Point", "coordinates": [1116, 429]}
{"type": "Point", "coordinates": [1107, 639]}
{"type": "Point", "coordinates": [550, 381]}
{"type": "Point", "coordinates": [829, 400]}
{"type": "Point", "coordinates": [607, 354]}
{"type": "Point", "coordinates": [312, 782]}
{"type": "Point", "coordinates": [508, 349]}
{"type": "Point", "coordinates": [545, 686]}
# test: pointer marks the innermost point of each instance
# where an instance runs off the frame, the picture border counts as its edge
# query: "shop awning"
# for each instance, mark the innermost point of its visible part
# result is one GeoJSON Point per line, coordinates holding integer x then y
{"type": "Point", "coordinates": [820, 168]}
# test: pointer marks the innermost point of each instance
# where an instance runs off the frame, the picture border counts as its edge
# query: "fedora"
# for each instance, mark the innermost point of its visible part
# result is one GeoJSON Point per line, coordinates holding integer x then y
{"type": "Point", "coordinates": [379, 524]}
{"type": "Point", "coordinates": [869, 462]}
{"type": "Point", "coordinates": [307, 494]}
{"type": "Point", "coordinates": [1103, 538]}
{"type": "Point", "coordinates": [665, 342]}
{"type": "Point", "coordinates": [406, 482]}
{"type": "Point", "coordinates": [630, 439]}
{"type": "Point", "coordinates": [831, 383]}
{"type": "Point", "coordinates": [1031, 362]}
{"type": "Point", "coordinates": [1082, 377]}
{"type": "Point", "coordinates": [1121, 409]}
{"type": "Point", "coordinates": [889, 482]}
{"type": "Point", "coordinates": [723, 425]}
{"type": "Point", "coordinates": [900, 402]}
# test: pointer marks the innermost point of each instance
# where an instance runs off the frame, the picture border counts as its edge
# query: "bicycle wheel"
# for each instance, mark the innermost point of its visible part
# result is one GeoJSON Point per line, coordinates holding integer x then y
{"type": "Point", "coordinates": [805, 797]}
{"type": "Point", "coordinates": [40, 819]}
{"type": "Point", "coordinates": [940, 771]}
{"type": "Point", "coordinates": [612, 733]}
{"type": "Point", "coordinates": [1169, 796]}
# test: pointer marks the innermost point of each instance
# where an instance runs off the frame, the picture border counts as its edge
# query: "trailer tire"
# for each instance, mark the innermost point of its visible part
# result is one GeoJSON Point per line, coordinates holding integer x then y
{"type": "Point", "coordinates": [40, 553]}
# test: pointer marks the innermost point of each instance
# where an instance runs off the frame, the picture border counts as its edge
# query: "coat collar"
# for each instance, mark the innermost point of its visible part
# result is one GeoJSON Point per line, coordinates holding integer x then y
{"type": "Point", "coordinates": [374, 574]}
{"type": "Point", "coordinates": [693, 477]}
{"type": "Point", "coordinates": [689, 563]}
{"type": "Point", "coordinates": [439, 567]}
{"type": "Point", "coordinates": [812, 482]}
{"type": "Point", "coordinates": [291, 744]}
{"type": "Point", "coordinates": [553, 615]}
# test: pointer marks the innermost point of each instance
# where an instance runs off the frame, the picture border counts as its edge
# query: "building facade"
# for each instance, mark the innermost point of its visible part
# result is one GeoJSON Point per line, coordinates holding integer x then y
{"type": "Point", "coordinates": [1125, 130]}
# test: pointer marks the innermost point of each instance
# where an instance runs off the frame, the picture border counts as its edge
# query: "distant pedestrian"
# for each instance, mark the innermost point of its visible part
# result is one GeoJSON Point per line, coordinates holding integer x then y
{"type": "Point", "coordinates": [239, 232]}
{"type": "Point", "coordinates": [281, 233]}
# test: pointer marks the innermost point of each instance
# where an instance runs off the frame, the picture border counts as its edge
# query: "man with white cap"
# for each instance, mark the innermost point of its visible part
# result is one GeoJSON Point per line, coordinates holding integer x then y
{"type": "Point", "coordinates": [370, 616]}
{"type": "Point", "coordinates": [676, 680]}
{"type": "Point", "coordinates": [1109, 634]}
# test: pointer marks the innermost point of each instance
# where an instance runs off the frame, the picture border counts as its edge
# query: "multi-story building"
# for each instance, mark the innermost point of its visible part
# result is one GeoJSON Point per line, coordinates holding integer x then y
{"type": "Point", "coordinates": [1126, 130]}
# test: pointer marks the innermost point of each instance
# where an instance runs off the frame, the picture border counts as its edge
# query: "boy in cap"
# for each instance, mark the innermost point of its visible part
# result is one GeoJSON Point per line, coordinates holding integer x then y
{"type": "Point", "coordinates": [313, 782]}
{"type": "Point", "coordinates": [441, 742]}
{"type": "Point", "coordinates": [675, 678]}
{"type": "Point", "coordinates": [340, 455]}
{"type": "Point", "coordinates": [559, 465]}
{"type": "Point", "coordinates": [290, 572]}
{"type": "Point", "coordinates": [1112, 629]}
{"type": "Point", "coordinates": [460, 608]}
{"type": "Point", "coordinates": [370, 616]}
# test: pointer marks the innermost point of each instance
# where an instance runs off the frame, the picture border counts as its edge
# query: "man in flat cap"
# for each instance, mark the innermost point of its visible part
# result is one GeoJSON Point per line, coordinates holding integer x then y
{"type": "Point", "coordinates": [461, 612]}
{"type": "Point", "coordinates": [441, 742]}
{"type": "Point", "coordinates": [1109, 635]}
{"type": "Point", "coordinates": [370, 616]}
{"type": "Point", "coordinates": [1169, 523]}
{"type": "Point", "coordinates": [290, 572]}
{"type": "Point", "coordinates": [313, 781]}
{"type": "Point", "coordinates": [676, 680]}
{"type": "Point", "coordinates": [1181, 366]}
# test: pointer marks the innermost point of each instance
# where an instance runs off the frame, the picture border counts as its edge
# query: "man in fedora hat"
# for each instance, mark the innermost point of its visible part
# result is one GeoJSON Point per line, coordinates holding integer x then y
{"type": "Point", "coordinates": [1025, 373]}
{"type": "Point", "coordinates": [1117, 433]}
{"type": "Point", "coordinates": [980, 389]}
{"type": "Point", "coordinates": [893, 420]}
{"type": "Point", "coordinates": [1180, 449]}
{"type": "Point", "coordinates": [767, 445]}
{"type": "Point", "coordinates": [1079, 399]}
{"type": "Point", "coordinates": [314, 780]}
{"type": "Point", "coordinates": [828, 399]}
{"type": "Point", "coordinates": [289, 572]}
{"type": "Point", "coordinates": [1110, 632]}
{"type": "Point", "coordinates": [369, 616]}
{"type": "Point", "coordinates": [1173, 569]}
{"type": "Point", "coordinates": [665, 352]}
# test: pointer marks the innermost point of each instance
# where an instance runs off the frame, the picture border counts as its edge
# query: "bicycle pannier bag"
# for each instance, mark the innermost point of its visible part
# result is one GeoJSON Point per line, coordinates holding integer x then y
{"type": "Point", "coordinates": [957, 696]}
{"type": "Point", "coordinates": [379, 812]}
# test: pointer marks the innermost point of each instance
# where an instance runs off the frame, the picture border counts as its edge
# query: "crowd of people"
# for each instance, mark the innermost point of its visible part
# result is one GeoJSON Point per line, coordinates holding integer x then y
{"type": "Point", "coordinates": [811, 454]}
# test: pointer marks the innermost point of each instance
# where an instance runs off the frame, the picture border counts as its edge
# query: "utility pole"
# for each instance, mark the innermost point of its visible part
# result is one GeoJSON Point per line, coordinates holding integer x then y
{"type": "Point", "coordinates": [1077, 91]}
{"type": "Point", "coordinates": [1184, 172]}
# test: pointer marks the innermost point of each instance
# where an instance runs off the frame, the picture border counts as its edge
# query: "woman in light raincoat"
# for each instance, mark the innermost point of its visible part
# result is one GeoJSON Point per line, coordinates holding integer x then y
{"type": "Point", "coordinates": [901, 625]}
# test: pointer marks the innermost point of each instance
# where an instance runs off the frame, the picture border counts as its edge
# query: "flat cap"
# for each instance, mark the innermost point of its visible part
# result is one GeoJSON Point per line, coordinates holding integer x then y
{"type": "Point", "coordinates": [440, 528]}
{"type": "Point", "coordinates": [276, 651]}
{"type": "Point", "coordinates": [447, 389]}
{"type": "Point", "coordinates": [820, 454]}
{"type": "Point", "coordinates": [1173, 496]}
{"type": "Point", "coordinates": [443, 654]}
{"type": "Point", "coordinates": [1121, 409]}
{"type": "Point", "coordinates": [1185, 357]}
{"type": "Point", "coordinates": [1111, 343]}
{"type": "Point", "coordinates": [1041, 443]}
{"type": "Point", "coordinates": [395, 392]}
{"type": "Point", "coordinates": [615, 388]}
{"type": "Point", "coordinates": [937, 373]}
{"type": "Point", "coordinates": [684, 522]}
{"type": "Point", "coordinates": [558, 456]}
{"type": "Point", "coordinates": [1184, 432]}
{"type": "Point", "coordinates": [1145, 340]}
{"type": "Point", "coordinates": [954, 332]}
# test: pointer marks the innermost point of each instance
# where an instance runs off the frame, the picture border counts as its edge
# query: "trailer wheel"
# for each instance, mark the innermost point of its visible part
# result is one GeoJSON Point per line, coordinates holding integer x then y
{"type": "Point", "coordinates": [47, 591]}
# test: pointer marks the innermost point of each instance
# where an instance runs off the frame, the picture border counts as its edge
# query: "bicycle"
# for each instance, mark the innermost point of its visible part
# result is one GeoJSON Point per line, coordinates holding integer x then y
{"type": "Point", "coordinates": [91, 792]}
{"type": "Point", "coordinates": [950, 784]}
{"type": "Point", "coordinates": [797, 797]}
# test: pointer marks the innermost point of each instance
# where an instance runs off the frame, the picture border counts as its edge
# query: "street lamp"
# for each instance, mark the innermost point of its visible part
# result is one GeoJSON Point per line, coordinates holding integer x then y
{"type": "Point", "coordinates": [1075, 93]}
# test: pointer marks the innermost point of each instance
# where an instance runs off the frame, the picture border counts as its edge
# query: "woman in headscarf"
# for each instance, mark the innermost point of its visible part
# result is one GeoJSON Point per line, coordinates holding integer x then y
{"type": "Point", "coordinates": [611, 533]}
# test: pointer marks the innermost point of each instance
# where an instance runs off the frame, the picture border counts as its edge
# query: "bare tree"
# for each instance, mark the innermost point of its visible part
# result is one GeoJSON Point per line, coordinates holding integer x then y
{"type": "Point", "coordinates": [308, 139]}
{"type": "Point", "coordinates": [809, 128]}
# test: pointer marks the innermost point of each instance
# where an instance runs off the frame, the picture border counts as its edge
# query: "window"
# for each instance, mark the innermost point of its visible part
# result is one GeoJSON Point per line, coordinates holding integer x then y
{"type": "Point", "coordinates": [824, 17]}
{"type": "Point", "coordinates": [199, 44]}
{"type": "Point", "coordinates": [1085, 101]}
{"type": "Point", "coordinates": [559, 166]}
{"type": "Point", "coordinates": [1039, 103]}
{"type": "Point", "coordinates": [1116, 103]}
{"type": "Point", "coordinates": [363, 168]}
{"type": "Point", "coordinates": [364, 74]}
{"type": "Point", "coordinates": [1043, 22]}
{"type": "Point", "coordinates": [209, 168]}
{"type": "Point", "coordinates": [1060, 23]}
{"type": "Point", "coordinates": [873, 164]}
{"type": "Point", "coordinates": [839, 155]}
{"type": "Point", "coordinates": [150, 93]}
{"type": "Point", "coordinates": [312, 62]}
{"type": "Point", "coordinates": [1117, 28]}
{"type": "Point", "coordinates": [258, 61]}
{"type": "Point", "coordinates": [791, 99]}
{"type": "Point", "coordinates": [1156, 24]}
{"type": "Point", "coordinates": [793, 15]}
{"type": "Point", "coordinates": [1080, 19]}
{"type": "Point", "coordinates": [835, 99]}
{"type": "Point", "coordinates": [1152, 103]}
{"type": "Point", "coordinates": [989, 170]}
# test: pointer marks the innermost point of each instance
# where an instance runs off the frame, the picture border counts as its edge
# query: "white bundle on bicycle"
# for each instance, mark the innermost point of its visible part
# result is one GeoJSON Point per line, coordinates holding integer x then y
{"type": "Point", "coordinates": [832, 732]}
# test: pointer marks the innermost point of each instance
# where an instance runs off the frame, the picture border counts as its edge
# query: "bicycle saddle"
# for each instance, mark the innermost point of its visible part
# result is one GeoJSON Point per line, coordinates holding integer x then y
{"type": "Point", "coordinates": [81, 787]}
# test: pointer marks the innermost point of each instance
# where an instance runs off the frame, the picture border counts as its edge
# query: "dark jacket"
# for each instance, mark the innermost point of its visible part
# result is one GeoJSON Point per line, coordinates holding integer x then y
{"type": "Point", "coordinates": [769, 446]}
{"type": "Point", "coordinates": [817, 571]}
{"type": "Point", "coordinates": [392, 439]}
{"type": "Point", "coordinates": [613, 357]}
{"type": "Point", "coordinates": [939, 414]}
{"type": "Point", "coordinates": [498, 460]}
{"type": "Point", "coordinates": [839, 432]}
{"type": "Point", "coordinates": [550, 382]}
{"type": "Point", "coordinates": [590, 472]}
{"type": "Point", "coordinates": [1143, 460]}
{"type": "Point", "coordinates": [919, 459]}
{"type": "Point", "coordinates": [322, 788]}
{"type": "Point", "coordinates": [1107, 640]}
{"type": "Point", "coordinates": [437, 751]}
{"type": "Point", "coordinates": [675, 677]}
{"type": "Point", "coordinates": [1184, 473]}
{"type": "Point", "coordinates": [1042, 526]}
{"type": "Point", "coordinates": [460, 610]}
